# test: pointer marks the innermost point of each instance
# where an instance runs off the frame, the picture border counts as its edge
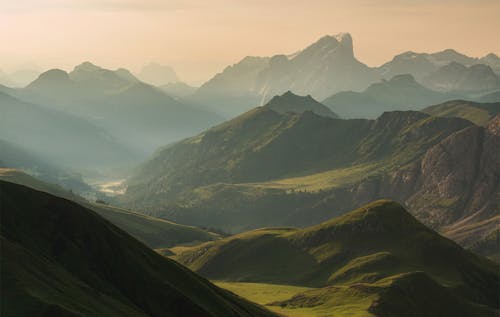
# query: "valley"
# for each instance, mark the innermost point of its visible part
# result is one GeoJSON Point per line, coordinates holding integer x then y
{"type": "Point", "coordinates": [256, 165]}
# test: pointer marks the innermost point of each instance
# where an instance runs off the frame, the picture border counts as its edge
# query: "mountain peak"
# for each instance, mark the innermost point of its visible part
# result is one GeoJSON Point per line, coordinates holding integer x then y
{"type": "Point", "coordinates": [87, 67]}
{"type": "Point", "coordinates": [341, 42]}
{"type": "Point", "coordinates": [290, 102]}
{"type": "Point", "coordinates": [50, 78]}
{"type": "Point", "coordinates": [403, 79]}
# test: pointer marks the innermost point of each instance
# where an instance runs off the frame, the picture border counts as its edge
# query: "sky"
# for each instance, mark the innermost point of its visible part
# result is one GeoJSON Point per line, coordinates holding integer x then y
{"type": "Point", "coordinates": [200, 37]}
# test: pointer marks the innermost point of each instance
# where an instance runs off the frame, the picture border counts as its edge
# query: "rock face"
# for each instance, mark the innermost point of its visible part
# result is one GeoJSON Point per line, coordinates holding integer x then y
{"type": "Point", "coordinates": [266, 169]}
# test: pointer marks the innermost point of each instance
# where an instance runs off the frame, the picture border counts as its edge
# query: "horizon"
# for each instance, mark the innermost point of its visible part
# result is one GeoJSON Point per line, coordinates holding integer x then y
{"type": "Point", "coordinates": [201, 51]}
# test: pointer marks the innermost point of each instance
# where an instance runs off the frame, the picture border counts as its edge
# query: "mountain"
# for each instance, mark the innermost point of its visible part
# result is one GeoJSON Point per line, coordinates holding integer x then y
{"type": "Point", "coordinates": [14, 156]}
{"type": "Point", "coordinates": [61, 259]}
{"type": "Point", "coordinates": [154, 232]}
{"type": "Point", "coordinates": [178, 89]}
{"type": "Point", "coordinates": [265, 168]}
{"type": "Point", "coordinates": [158, 75]}
{"type": "Point", "coordinates": [401, 92]}
{"type": "Point", "coordinates": [19, 78]}
{"type": "Point", "coordinates": [378, 252]}
{"type": "Point", "coordinates": [137, 114]}
{"type": "Point", "coordinates": [490, 97]}
{"type": "Point", "coordinates": [420, 65]}
{"type": "Point", "coordinates": [289, 102]}
{"type": "Point", "coordinates": [58, 137]}
{"type": "Point", "coordinates": [457, 77]}
{"type": "Point", "coordinates": [479, 113]}
{"type": "Point", "coordinates": [323, 68]}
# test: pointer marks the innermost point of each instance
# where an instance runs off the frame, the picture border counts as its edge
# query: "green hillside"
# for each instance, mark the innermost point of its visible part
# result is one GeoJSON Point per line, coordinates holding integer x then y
{"type": "Point", "coordinates": [478, 113]}
{"type": "Point", "coordinates": [268, 169]}
{"type": "Point", "coordinates": [377, 256]}
{"type": "Point", "coordinates": [401, 92]}
{"type": "Point", "coordinates": [153, 232]}
{"type": "Point", "coordinates": [61, 259]}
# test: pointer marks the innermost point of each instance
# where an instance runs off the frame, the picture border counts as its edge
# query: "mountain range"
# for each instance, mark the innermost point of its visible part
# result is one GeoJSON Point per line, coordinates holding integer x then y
{"type": "Point", "coordinates": [329, 66]}
{"type": "Point", "coordinates": [374, 261]}
{"type": "Point", "coordinates": [266, 168]}
{"type": "Point", "coordinates": [128, 117]}
{"type": "Point", "coordinates": [402, 92]}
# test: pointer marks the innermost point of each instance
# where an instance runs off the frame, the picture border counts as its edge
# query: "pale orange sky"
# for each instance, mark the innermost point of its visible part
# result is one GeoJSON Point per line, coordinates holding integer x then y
{"type": "Point", "coordinates": [200, 37]}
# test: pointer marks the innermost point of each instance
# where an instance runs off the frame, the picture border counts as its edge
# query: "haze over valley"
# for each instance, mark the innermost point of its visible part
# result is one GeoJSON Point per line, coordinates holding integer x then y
{"type": "Point", "coordinates": [303, 172]}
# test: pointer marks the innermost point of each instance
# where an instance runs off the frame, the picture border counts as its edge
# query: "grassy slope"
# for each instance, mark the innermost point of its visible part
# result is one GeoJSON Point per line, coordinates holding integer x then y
{"type": "Point", "coordinates": [252, 171]}
{"type": "Point", "coordinates": [373, 244]}
{"type": "Point", "coordinates": [62, 259]}
{"type": "Point", "coordinates": [154, 232]}
{"type": "Point", "coordinates": [478, 113]}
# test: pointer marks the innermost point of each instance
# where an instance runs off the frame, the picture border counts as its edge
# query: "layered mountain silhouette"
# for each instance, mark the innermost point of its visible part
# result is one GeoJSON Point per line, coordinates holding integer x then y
{"type": "Point", "coordinates": [402, 92]}
{"type": "Point", "coordinates": [323, 68]}
{"type": "Point", "coordinates": [421, 65]}
{"type": "Point", "coordinates": [328, 66]}
{"type": "Point", "coordinates": [138, 116]}
{"type": "Point", "coordinates": [378, 249]}
{"type": "Point", "coordinates": [457, 77]}
{"type": "Point", "coordinates": [59, 137]}
{"type": "Point", "coordinates": [266, 168]}
{"type": "Point", "coordinates": [61, 259]}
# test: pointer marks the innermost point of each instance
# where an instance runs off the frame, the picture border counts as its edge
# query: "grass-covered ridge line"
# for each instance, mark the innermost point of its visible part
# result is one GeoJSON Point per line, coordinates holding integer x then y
{"type": "Point", "coordinates": [363, 256]}
{"type": "Point", "coordinates": [61, 259]}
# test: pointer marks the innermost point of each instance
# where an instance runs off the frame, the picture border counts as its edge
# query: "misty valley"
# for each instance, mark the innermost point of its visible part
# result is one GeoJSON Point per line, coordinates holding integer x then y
{"type": "Point", "coordinates": [305, 184]}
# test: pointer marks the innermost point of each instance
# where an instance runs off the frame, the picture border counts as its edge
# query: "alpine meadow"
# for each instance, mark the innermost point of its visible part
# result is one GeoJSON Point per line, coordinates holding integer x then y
{"type": "Point", "coordinates": [244, 158]}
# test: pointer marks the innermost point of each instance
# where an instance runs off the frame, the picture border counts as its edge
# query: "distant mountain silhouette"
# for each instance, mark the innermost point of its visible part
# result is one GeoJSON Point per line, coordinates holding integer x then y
{"type": "Point", "coordinates": [138, 115]}
{"type": "Point", "coordinates": [321, 69]}
{"type": "Point", "coordinates": [402, 92]}
{"type": "Point", "coordinates": [158, 75]}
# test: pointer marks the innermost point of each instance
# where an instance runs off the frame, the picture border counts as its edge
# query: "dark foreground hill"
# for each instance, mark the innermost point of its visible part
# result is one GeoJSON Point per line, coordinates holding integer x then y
{"type": "Point", "coordinates": [154, 232]}
{"type": "Point", "coordinates": [61, 259]}
{"type": "Point", "coordinates": [378, 253]}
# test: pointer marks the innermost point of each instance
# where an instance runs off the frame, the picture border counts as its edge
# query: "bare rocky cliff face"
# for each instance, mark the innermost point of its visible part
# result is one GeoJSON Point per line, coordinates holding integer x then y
{"type": "Point", "coordinates": [453, 188]}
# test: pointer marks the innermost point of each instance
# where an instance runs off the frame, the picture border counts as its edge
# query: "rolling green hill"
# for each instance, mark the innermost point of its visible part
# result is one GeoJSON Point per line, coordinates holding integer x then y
{"type": "Point", "coordinates": [377, 256]}
{"type": "Point", "coordinates": [478, 113]}
{"type": "Point", "coordinates": [61, 259]}
{"type": "Point", "coordinates": [154, 232]}
{"type": "Point", "coordinates": [401, 92]}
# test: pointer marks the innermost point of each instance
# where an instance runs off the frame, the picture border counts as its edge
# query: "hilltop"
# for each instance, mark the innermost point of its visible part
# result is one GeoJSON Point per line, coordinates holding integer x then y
{"type": "Point", "coordinates": [378, 251]}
